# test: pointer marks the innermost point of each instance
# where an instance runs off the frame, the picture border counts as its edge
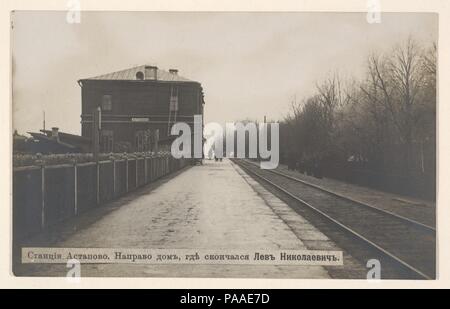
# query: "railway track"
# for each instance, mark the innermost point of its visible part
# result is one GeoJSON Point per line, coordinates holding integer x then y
{"type": "Point", "coordinates": [405, 243]}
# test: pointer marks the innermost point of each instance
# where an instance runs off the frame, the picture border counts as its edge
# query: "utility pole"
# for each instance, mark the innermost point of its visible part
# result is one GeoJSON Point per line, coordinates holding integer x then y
{"type": "Point", "coordinates": [96, 127]}
{"type": "Point", "coordinates": [43, 124]}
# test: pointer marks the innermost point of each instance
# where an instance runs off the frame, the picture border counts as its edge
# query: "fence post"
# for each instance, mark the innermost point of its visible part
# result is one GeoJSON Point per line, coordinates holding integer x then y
{"type": "Point", "coordinates": [75, 189]}
{"type": "Point", "coordinates": [136, 165]}
{"type": "Point", "coordinates": [166, 161]}
{"type": "Point", "coordinates": [164, 166]}
{"type": "Point", "coordinates": [145, 170]}
{"type": "Point", "coordinates": [114, 177]}
{"type": "Point", "coordinates": [167, 166]}
{"type": "Point", "coordinates": [126, 174]}
{"type": "Point", "coordinates": [152, 168]}
{"type": "Point", "coordinates": [155, 167]}
{"type": "Point", "coordinates": [159, 166]}
{"type": "Point", "coordinates": [98, 182]}
{"type": "Point", "coordinates": [43, 196]}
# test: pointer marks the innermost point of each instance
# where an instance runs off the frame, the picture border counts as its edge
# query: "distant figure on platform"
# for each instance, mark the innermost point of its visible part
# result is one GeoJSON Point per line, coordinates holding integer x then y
{"type": "Point", "coordinates": [291, 161]}
{"type": "Point", "coordinates": [318, 173]}
{"type": "Point", "coordinates": [301, 166]}
{"type": "Point", "coordinates": [210, 153]}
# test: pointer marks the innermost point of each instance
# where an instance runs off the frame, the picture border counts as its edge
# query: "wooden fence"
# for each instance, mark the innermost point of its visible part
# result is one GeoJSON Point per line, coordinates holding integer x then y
{"type": "Point", "coordinates": [45, 195]}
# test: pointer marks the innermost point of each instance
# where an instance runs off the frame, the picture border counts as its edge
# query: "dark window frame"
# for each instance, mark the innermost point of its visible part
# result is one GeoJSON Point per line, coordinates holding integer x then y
{"type": "Point", "coordinates": [107, 102]}
{"type": "Point", "coordinates": [107, 141]}
{"type": "Point", "coordinates": [142, 140]}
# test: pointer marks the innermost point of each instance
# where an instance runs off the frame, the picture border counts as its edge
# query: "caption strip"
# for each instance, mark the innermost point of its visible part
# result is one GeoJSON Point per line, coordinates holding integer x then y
{"type": "Point", "coordinates": [180, 256]}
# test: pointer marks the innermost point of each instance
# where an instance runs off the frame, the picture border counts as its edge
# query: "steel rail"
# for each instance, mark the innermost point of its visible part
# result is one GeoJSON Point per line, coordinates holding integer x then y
{"type": "Point", "coordinates": [342, 226]}
{"type": "Point", "coordinates": [387, 212]}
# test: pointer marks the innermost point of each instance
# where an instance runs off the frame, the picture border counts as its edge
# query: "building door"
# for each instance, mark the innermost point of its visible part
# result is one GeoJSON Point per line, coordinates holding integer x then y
{"type": "Point", "coordinates": [142, 140]}
{"type": "Point", "coordinates": [107, 141]}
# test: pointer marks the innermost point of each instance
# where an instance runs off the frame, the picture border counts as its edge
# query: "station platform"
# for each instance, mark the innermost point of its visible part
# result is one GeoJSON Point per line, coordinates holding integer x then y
{"type": "Point", "coordinates": [212, 206]}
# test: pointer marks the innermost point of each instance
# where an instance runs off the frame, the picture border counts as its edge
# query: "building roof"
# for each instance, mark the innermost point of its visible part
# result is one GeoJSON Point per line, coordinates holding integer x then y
{"type": "Point", "coordinates": [45, 138]}
{"type": "Point", "coordinates": [130, 74]}
{"type": "Point", "coordinates": [68, 136]}
{"type": "Point", "coordinates": [17, 136]}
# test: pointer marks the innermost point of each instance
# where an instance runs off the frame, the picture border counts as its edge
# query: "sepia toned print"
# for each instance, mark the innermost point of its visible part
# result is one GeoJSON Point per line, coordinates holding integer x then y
{"type": "Point", "coordinates": [224, 145]}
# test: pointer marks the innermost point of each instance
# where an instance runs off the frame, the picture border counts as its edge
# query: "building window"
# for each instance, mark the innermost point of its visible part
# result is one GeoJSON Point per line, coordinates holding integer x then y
{"type": "Point", "coordinates": [173, 103]}
{"type": "Point", "coordinates": [142, 140]}
{"type": "Point", "coordinates": [107, 102]}
{"type": "Point", "coordinates": [107, 141]}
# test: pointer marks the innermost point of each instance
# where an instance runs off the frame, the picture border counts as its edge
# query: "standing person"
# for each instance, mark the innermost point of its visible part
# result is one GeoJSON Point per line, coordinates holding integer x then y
{"type": "Point", "coordinates": [291, 161]}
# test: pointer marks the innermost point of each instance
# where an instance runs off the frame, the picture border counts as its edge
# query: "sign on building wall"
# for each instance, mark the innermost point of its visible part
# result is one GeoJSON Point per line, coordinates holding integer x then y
{"type": "Point", "coordinates": [140, 119]}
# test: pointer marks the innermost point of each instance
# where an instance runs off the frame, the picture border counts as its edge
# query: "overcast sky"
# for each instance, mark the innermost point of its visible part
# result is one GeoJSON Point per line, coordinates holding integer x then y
{"type": "Point", "coordinates": [250, 64]}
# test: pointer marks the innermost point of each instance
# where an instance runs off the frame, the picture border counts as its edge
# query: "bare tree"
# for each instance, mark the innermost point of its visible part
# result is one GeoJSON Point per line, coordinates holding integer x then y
{"type": "Point", "coordinates": [386, 120]}
{"type": "Point", "coordinates": [399, 78]}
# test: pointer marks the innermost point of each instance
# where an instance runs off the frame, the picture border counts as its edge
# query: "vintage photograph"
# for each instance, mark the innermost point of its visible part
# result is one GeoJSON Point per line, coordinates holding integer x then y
{"type": "Point", "coordinates": [224, 144]}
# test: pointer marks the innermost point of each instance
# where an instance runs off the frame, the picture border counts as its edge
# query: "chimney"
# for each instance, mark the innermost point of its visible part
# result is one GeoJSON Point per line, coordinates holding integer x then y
{"type": "Point", "coordinates": [55, 134]}
{"type": "Point", "coordinates": [139, 75]}
{"type": "Point", "coordinates": [173, 71]}
{"type": "Point", "coordinates": [151, 72]}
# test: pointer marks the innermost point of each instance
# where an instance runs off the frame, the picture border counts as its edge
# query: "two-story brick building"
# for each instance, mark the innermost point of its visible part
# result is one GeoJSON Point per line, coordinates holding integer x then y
{"type": "Point", "coordinates": [137, 102]}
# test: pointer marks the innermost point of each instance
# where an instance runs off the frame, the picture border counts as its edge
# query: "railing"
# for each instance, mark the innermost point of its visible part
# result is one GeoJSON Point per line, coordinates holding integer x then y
{"type": "Point", "coordinates": [45, 195]}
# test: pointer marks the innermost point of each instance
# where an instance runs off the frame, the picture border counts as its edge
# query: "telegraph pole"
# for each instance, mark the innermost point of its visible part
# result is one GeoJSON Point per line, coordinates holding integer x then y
{"type": "Point", "coordinates": [96, 127]}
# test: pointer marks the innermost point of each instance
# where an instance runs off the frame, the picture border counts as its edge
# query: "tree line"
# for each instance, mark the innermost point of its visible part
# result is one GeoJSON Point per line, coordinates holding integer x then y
{"type": "Point", "coordinates": [382, 126]}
